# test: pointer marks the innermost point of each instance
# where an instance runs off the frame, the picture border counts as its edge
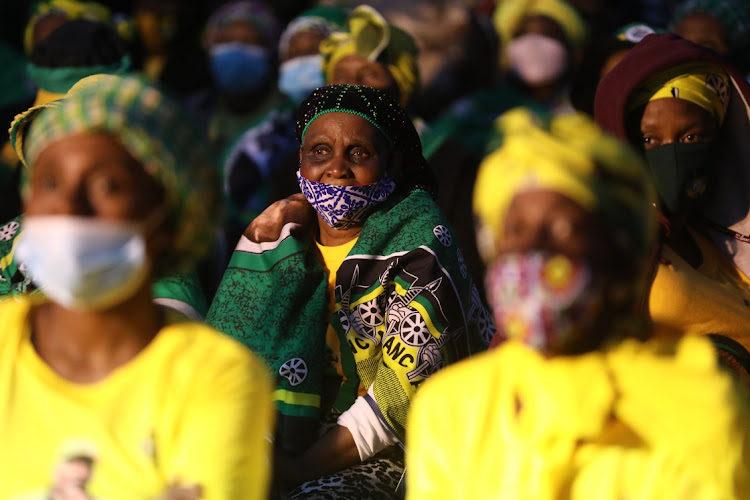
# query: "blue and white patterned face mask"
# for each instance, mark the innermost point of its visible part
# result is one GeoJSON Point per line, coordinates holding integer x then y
{"type": "Point", "coordinates": [342, 207]}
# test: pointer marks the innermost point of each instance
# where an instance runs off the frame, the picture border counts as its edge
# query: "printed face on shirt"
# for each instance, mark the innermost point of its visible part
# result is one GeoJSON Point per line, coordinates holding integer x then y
{"type": "Point", "coordinates": [344, 150]}
{"type": "Point", "coordinates": [670, 120]}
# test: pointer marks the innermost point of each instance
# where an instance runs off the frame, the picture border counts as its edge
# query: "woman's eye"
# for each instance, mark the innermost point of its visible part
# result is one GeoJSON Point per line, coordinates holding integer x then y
{"type": "Point", "coordinates": [359, 153]}
{"type": "Point", "coordinates": [106, 186]}
{"type": "Point", "coordinates": [690, 138]}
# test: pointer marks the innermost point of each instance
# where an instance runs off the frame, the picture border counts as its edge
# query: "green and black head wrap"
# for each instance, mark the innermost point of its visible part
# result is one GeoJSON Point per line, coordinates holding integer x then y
{"type": "Point", "coordinates": [383, 111]}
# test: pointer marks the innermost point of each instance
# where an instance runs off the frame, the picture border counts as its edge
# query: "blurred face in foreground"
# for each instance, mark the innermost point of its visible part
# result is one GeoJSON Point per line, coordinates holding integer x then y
{"type": "Point", "coordinates": [550, 282]}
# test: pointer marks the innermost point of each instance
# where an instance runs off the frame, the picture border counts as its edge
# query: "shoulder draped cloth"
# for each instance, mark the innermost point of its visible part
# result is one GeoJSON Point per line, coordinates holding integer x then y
{"type": "Point", "coordinates": [405, 307]}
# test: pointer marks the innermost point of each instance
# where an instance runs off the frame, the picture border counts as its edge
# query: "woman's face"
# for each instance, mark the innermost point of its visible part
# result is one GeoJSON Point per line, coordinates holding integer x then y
{"type": "Point", "coordinates": [704, 29]}
{"type": "Point", "coordinates": [343, 150]}
{"type": "Point", "coordinates": [238, 31]}
{"type": "Point", "coordinates": [357, 70]}
{"type": "Point", "coordinates": [304, 43]}
{"type": "Point", "coordinates": [668, 120]}
{"type": "Point", "coordinates": [91, 175]}
{"type": "Point", "coordinates": [551, 222]}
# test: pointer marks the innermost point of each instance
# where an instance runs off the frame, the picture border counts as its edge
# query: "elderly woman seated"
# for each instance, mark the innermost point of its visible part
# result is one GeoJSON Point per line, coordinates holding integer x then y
{"type": "Point", "coordinates": [99, 396]}
{"type": "Point", "coordinates": [358, 301]}
{"type": "Point", "coordinates": [583, 399]}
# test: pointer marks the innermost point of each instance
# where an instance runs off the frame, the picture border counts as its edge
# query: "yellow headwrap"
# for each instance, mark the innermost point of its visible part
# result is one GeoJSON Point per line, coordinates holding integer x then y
{"type": "Point", "coordinates": [702, 84]}
{"type": "Point", "coordinates": [73, 9]}
{"type": "Point", "coordinates": [572, 156]}
{"type": "Point", "coordinates": [370, 36]}
{"type": "Point", "coordinates": [510, 13]}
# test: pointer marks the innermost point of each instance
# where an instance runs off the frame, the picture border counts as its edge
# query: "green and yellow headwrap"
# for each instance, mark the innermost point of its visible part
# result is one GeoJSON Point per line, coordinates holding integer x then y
{"type": "Point", "coordinates": [72, 9]}
{"type": "Point", "coordinates": [172, 147]}
{"type": "Point", "coordinates": [572, 156]}
{"type": "Point", "coordinates": [510, 13]}
{"type": "Point", "coordinates": [702, 84]}
{"type": "Point", "coordinates": [370, 36]}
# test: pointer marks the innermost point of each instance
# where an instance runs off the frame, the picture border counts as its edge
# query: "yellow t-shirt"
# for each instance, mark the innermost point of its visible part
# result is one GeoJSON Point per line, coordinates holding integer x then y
{"type": "Point", "coordinates": [643, 421]}
{"type": "Point", "coordinates": [193, 405]}
{"type": "Point", "coordinates": [713, 299]}
{"type": "Point", "coordinates": [333, 257]}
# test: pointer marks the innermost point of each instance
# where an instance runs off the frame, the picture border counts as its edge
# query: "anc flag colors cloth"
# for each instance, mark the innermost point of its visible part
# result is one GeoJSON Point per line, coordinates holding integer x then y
{"type": "Point", "coordinates": [405, 307]}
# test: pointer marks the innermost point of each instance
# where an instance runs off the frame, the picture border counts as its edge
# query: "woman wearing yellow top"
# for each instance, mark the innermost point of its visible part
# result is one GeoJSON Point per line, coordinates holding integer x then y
{"type": "Point", "coordinates": [98, 397]}
{"type": "Point", "coordinates": [687, 110]}
{"type": "Point", "coordinates": [579, 402]}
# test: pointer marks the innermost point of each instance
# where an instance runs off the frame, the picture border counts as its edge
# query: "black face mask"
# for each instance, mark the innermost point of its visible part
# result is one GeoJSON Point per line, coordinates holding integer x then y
{"type": "Point", "coordinates": [681, 173]}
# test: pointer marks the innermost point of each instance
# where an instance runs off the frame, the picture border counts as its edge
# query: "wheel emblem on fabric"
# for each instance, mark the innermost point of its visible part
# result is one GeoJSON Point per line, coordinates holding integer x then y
{"type": "Point", "coordinates": [461, 263]}
{"type": "Point", "coordinates": [369, 314]}
{"type": "Point", "coordinates": [485, 326]}
{"type": "Point", "coordinates": [294, 370]}
{"type": "Point", "coordinates": [443, 235]}
{"type": "Point", "coordinates": [413, 330]}
{"type": "Point", "coordinates": [344, 320]}
{"type": "Point", "coordinates": [8, 231]}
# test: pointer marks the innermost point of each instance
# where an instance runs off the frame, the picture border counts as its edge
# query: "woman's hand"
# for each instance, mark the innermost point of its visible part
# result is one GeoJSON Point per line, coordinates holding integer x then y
{"type": "Point", "coordinates": [331, 453]}
{"type": "Point", "coordinates": [267, 226]}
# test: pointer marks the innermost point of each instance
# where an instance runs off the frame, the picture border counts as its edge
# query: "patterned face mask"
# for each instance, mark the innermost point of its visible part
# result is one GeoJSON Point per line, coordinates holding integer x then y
{"type": "Point", "coordinates": [343, 207]}
{"type": "Point", "coordinates": [542, 300]}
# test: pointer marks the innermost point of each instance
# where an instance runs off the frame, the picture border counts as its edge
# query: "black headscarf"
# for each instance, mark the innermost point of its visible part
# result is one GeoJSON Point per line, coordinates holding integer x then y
{"type": "Point", "coordinates": [383, 111]}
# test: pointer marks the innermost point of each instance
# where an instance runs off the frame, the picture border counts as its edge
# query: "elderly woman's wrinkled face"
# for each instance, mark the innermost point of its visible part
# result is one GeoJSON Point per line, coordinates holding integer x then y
{"type": "Point", "coordinates": [357, 70]}
{"type": "Point", "coordinates": [704, 29]}
{"type": "Point", "coordinates": [667, 121]}
{"type": "Point", "coordinates": [91, 175]}
{"type": "Point", "coordinates": [343, 149]}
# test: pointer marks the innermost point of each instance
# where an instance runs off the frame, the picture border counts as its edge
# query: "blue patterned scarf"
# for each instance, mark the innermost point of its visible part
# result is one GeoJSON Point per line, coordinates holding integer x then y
{"type": "Point", "coordinates": [342, 207]}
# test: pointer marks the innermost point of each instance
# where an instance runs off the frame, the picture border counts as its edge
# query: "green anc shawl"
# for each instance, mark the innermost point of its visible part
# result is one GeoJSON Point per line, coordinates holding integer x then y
{"type": "Point", "coordinates": [405, 306]}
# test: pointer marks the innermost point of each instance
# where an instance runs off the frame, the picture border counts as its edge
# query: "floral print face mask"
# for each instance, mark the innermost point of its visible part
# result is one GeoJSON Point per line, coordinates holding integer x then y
{"type": "Point", "coordinates": [544, 300]}
{"type": "Point", "coordinates": [343, 207]}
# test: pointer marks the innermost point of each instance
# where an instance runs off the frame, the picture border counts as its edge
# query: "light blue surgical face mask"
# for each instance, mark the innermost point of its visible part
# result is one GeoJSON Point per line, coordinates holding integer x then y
{"type": "Point", "coordinates": [92, 265]}
{"type": "Point", "coordinates": [298, 77]}
{"type": "Point", "coordinates": [239, 68]}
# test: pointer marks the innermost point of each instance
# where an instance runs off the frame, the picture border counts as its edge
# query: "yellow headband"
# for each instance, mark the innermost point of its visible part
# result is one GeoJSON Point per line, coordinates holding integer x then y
{"type": "Point", "coordinates": [369, 36]}
{"type": "Point", "coordinates": [704, 85]}
{"type": "Point", "coordinates": [572, 156]}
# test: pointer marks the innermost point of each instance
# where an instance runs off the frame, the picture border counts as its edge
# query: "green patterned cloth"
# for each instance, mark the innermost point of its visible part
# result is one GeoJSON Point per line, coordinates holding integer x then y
{"type": "Point", "coordinates": [405, 304]}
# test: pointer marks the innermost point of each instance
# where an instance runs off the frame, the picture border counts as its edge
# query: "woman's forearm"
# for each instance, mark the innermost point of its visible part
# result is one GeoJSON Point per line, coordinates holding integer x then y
{"type": "Point", "coordinates": [336, 450]}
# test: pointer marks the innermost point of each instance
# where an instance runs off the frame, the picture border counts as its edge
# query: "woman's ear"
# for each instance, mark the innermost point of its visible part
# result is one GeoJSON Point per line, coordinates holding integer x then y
{"type": "Point", "coordinates": [300, 155]}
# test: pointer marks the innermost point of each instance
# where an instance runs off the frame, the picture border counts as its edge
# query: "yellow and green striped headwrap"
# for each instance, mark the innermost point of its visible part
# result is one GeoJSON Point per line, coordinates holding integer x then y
{"type": "Point", "coordinates": [71, 9]}
{"type": "Point", "coordinates": [171, 146]}
{"type": "Point", "coordinates": [370, 36]}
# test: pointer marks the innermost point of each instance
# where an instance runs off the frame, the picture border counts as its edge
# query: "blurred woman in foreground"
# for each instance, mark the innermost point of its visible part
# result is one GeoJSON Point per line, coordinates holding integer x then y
{"type": "Point", "coordinates": [121, 190]}
{"type": "Point", "coordinates": [583, 400]}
